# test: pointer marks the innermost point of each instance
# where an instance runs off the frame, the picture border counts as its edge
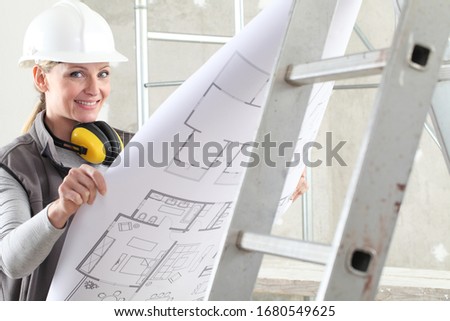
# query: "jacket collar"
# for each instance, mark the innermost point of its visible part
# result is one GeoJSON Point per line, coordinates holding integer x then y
{"type": "Point", "coordinates": [43, 138]}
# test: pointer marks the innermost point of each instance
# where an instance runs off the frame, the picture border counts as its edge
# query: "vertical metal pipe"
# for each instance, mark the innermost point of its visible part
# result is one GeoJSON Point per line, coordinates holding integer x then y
{"type": "Point", "coordinates": [238, 15]}
{"type": "Point", "coordinates": [307, 212]}
{"type": "Point", "coordinates": [141, 60]}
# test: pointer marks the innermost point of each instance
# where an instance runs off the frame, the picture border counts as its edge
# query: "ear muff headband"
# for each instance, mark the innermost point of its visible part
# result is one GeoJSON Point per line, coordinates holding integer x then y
{"type": "Point", "coordinates": [102, 142]}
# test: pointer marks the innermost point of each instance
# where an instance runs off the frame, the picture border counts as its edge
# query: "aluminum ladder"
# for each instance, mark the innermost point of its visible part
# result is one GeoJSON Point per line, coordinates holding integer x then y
{"type": "Point", "coordinates": [410, 71]}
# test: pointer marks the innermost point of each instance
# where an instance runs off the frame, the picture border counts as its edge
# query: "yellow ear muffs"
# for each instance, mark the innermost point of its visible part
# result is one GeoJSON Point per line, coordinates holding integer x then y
{"type": "Point", "coordinates": [114, 144]}
{"type": "Point", "coordinates": [101, 142]}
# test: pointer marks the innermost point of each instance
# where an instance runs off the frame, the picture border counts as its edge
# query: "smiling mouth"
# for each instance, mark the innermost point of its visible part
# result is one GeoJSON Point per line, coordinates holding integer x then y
{"type": "Point", "coordinates": [87, 103]}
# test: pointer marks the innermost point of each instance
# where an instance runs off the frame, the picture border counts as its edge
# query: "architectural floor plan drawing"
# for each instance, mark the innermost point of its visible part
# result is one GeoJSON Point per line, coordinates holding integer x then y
{"type": "Point", "coordinates": [128, 259]}
{"type": "Point", "coordinates": [158, 233]}
{"type": "Point", "coordinates": [216, 129]}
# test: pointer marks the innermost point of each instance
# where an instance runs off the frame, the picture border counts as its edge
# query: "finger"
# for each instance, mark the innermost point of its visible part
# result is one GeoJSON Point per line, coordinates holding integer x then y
{"type": "Point", "coordinates": [96, 176]}
{"type": "Point", "coordinates": [295, 196]}
{"type": "Point", "coordinates": [89, 195]}
{"type": "Point", "coordinates": [90, 179]}
{"type": "Point", "coordinates": [81, 183]}
{"type": "Point", "coordinates": [301, 189]}
{"type": "Point", "coordinates": [73, 191]}
{"type": "Point", "coordinates": [73, 197]}
{"type": "Point", "coordinates": [86, 188]}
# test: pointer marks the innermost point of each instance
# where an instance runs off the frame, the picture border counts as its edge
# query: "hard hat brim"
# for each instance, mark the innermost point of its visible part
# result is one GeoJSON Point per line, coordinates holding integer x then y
{"type": "Point", "coordinates": [72, 57]}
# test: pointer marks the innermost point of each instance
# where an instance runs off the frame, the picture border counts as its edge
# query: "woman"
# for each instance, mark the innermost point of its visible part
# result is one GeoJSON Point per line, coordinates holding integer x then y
{"type": "Point", "coordinates": [43, 181]}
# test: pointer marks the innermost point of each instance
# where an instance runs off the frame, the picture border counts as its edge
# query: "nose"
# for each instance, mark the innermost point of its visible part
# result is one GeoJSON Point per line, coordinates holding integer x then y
{"type": "Point", "coordinates": [92, 86]}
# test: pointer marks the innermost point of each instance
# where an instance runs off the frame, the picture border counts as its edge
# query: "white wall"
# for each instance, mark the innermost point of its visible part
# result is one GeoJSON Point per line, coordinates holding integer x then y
{"type": "Point", "coordinates": [16, 84]}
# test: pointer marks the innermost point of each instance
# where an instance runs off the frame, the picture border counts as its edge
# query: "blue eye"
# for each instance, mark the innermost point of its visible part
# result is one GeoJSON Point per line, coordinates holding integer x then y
{"type": "Point", "coordinates": [103, 74]}
{"type": "Point", "coordinates": [76, 74]}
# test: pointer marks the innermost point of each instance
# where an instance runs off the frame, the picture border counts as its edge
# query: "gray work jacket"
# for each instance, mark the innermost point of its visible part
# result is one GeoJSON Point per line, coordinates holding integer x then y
{"type": "Point", "coordinates": [30, 159]}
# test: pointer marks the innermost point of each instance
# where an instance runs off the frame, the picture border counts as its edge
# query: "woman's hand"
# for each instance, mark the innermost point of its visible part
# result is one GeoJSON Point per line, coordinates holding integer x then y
{"type": "Point", "coordinates": [302, 187]}
{"type": "Point", "coordinates": [79, 187]}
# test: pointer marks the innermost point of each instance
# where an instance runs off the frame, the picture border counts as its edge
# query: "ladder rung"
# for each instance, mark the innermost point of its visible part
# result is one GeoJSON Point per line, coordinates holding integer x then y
{"type": "Point", "coordinates": [350, 66]}
{"type": "Point", "coordinates": [182, 37]}
{"type": "Point", "coordinates": [163, 84]}
{"type": "Point", "coordinates": [289, 248]}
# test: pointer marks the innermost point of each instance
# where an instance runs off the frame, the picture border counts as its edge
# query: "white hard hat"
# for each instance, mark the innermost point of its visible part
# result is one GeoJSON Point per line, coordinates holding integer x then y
{"type": "Point", "coordinates": [69, 32]}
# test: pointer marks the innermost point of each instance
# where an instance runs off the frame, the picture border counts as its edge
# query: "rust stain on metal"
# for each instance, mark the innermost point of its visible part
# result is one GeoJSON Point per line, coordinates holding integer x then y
{"type": "Point", "coordinates": [368, 284]}
{"type": "Point", "coordinates": [401, 187]}
{"type": "Point", "coordinates": [397, 206]}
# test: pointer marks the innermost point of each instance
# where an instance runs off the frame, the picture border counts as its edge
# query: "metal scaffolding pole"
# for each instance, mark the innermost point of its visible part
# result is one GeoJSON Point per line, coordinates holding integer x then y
{"type": "Point", "coordinates": [140, 8]}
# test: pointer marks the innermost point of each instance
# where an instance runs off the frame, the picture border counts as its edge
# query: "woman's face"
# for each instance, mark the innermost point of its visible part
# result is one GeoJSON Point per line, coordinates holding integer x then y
{"type": "Point", "coordinates": [75, 93]}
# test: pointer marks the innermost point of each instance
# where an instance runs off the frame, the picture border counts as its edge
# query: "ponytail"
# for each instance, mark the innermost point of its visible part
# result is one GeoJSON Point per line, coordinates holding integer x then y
{"type": "Point", "coordinates": [40, 106]}
{"type": "Point", "coordinates": [46, 66]}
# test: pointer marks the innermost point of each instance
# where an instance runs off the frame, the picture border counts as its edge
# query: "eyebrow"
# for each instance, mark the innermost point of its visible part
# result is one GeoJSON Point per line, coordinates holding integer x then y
{"type": "Point", "coordinates": [84, 68]}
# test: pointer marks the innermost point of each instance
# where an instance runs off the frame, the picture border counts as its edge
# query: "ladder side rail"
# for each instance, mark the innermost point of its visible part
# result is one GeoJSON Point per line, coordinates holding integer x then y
{"type": "Point", "coordinates": [376, 191]}
{"type": "Point", "coordinates": [262, 186]}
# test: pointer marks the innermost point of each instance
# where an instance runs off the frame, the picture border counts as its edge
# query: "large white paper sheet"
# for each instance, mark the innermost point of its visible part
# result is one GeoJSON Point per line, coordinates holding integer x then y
{"type": "Point", "coordinates": [156, 235]}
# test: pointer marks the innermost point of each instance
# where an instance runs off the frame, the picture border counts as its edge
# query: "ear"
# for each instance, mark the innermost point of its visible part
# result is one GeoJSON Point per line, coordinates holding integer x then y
{"type": "Point", "coordinates": [40, 79]}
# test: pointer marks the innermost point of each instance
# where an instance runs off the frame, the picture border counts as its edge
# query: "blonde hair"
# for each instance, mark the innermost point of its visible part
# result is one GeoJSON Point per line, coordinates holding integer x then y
{"type": "Point", "coordinates": [46, 67]}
